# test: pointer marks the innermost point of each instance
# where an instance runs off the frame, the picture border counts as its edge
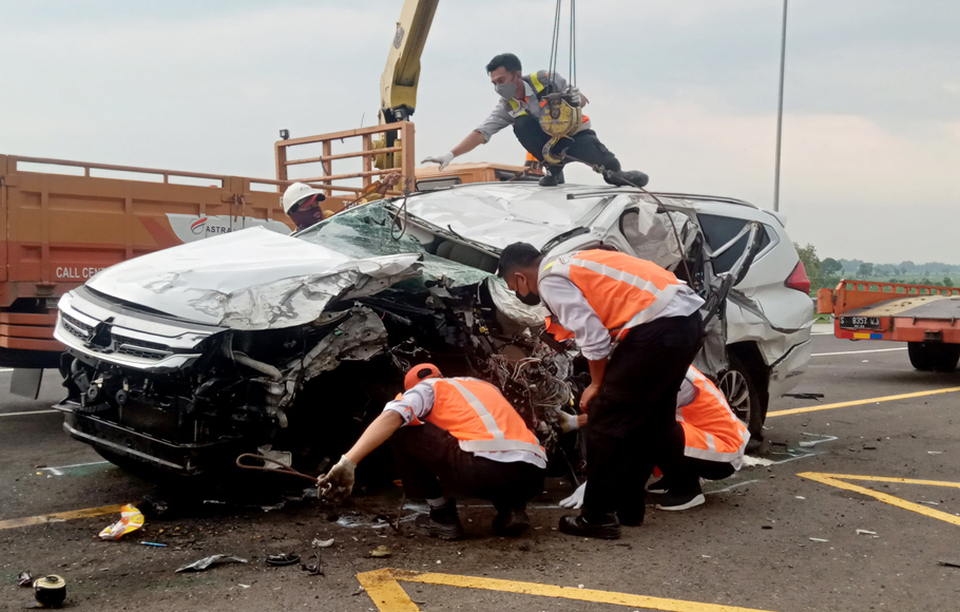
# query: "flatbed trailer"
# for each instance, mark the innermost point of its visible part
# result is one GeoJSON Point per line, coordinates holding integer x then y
{"type": "Point", "coordinates": [926, 317]}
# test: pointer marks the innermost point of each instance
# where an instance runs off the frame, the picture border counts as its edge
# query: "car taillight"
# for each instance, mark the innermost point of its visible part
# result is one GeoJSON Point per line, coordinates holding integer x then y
{"type": "Point", "coordinates": [798, 279]}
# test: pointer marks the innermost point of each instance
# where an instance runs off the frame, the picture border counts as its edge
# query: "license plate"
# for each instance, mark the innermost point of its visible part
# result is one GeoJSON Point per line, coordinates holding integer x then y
{"type": "Point", "coordinates": [860, 322]}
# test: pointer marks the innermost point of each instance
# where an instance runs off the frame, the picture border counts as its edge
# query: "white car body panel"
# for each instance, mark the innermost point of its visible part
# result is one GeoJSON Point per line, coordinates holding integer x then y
{"type": "Point", "coordinates": [247, 280]}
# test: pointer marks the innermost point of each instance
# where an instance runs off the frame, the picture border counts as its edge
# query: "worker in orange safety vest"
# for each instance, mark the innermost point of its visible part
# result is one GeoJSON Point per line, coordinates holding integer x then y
{"type": "Point", "coordinates": [714, 443]}
{"type": "Point", "coordinates": [452, 435]}
{"type": "Point", "coordinates": [639, 328]}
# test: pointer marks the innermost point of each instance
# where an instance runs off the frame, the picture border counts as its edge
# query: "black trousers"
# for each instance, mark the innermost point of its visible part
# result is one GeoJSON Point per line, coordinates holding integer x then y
{"type": "Point", "coordinates": [689, 471]}
{"type": "Point", "coordinates": [585, 145]}
{"type": "Point", "coordinates": [633, 423]}
{"type": "Point", "coordinates": [432, 465]}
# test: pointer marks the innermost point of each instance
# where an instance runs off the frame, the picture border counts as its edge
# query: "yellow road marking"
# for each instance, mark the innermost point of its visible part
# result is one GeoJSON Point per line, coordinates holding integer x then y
{"type": "Point", "coordinates": [59, 517]}
{"type": "Point", "coordinates": [836, 480]}
{"type": "Point", "coordinates": [383, 587]}
{"type": "Point", "coordinates": [885, 398]}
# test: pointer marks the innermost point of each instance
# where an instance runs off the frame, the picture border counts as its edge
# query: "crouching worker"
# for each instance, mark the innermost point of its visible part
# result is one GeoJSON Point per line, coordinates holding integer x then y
{"type": "Point", "coordinates": [452, 435]}
{"type": "Point", "coordinates": [714, 440]}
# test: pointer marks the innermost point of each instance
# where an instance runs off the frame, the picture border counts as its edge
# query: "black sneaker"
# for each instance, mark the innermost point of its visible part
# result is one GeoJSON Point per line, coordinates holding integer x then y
{"type": "Point", "coordinates": [659, 487]}
{"type": "Point", "coordinates": [681, 501]}
{"type": "Point", "coordinates": [443, 522]}
{"type": "Point", "coordinates": [553, 177]}
{"type": "Point", "coordinates": [607, 528]}
{"type": "Point", "coordinates": [510, 523]}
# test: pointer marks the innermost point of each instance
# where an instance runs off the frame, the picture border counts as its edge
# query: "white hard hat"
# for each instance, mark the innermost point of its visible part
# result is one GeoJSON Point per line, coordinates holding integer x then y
{"type": "Point", "coordinates": [296, 193]}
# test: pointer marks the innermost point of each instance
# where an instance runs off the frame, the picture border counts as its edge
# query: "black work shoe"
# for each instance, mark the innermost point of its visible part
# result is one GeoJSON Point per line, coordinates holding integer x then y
{"type": "Point", "coordinates": [626, 178]}
{"type": "Point", "coordinates": [444, 522]}
{"type": "Point", "coordinates": [552, 178]}
{"type": "Point", "coordinates": [510, 523]}
{"type": "Point", "coordinates": [606, 529]}
{"type": "Point", "coordinates": [681, 501]}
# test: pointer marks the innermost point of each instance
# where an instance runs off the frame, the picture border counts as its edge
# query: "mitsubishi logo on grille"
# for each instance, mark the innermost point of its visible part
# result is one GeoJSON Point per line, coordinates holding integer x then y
{"type": "Point", "coordinates": [101, 338]}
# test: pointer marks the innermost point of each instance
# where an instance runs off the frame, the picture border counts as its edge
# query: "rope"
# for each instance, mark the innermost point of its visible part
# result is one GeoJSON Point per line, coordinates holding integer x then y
{"type": "Point", "coordinates": [282, 468]}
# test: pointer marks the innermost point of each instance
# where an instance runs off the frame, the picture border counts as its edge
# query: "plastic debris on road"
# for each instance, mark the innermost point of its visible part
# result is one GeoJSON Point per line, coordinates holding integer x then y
{"type": "Point", "coordinates": [131, 519]}
{"type": "Point", "coordinates": [25, 579]}
{"type": "Point", "coordinates": [207, 562]}
{"type": "Point", "coordinates": [866, 532]}
{"type": "Point", "coordinates": [381, 551]}
{"type": "Point", "coordinates": [318, 543]}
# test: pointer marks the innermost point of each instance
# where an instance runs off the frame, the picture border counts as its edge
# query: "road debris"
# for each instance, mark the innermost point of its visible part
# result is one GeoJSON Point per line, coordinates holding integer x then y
{"type": "Point", "coordinates": [157, 544]}
{"type": "Point", "coordinates": [50, 591]}
{"type": "Point", "coordinates": [283, 559]}
{"type": "Point", "coordinates": [318, 543]}
{"type": "Point", "coordinates": [131, 519]}
{"type": "Point", "coordinates": [207, 562]}
{"type": "Point", "coordinates": [818, 540]}
{"type": "Point", "coordinates": [866, 532]}
{"type": "Point", "coordinates": [25, 579]}
{"type": "Point", "coordinates": [949, 562]}
{"type": "Point", "coordinates": [381, 551]}
{"type": "Point", "coordinates": [810, 396]}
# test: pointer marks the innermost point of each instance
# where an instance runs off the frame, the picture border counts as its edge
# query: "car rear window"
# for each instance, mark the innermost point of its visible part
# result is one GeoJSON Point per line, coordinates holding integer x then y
{"type": "Point", "coordinates": [719, 230]}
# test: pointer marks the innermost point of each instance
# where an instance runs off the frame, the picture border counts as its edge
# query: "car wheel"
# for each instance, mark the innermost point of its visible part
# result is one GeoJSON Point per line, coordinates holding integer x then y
{"type": "Point", "coordinates": [939, 357]}
{"type": "Point", "coordinates": [738, 387]}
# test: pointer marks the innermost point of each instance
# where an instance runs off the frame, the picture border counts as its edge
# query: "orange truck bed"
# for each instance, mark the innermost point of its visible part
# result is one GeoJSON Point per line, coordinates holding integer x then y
{"type": "Point", "coordinates": [867, 310]}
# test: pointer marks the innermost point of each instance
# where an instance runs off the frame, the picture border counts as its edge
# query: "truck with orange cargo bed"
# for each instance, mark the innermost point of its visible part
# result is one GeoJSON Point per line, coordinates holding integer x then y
{"type": "Point", "coordinates": [926, 317]}
{"type": "Point", "coordinates": [66, 220]}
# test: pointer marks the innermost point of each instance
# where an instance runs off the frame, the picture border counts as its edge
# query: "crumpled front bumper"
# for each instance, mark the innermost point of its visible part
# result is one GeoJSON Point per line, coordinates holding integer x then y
{"type": "Point", "coordinates": [177, 458]}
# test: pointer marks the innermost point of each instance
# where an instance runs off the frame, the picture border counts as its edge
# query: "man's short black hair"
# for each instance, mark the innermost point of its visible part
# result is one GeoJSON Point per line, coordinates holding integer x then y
{"type": "Point", "coordinates": [518, 255]}
{"type": "Point", "coordinates": [508, 61]}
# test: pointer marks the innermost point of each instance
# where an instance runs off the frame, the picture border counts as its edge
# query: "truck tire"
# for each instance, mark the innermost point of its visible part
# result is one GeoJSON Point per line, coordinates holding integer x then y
{"type": "Point", "coordinates": [933, 356]}
{"type": "Point", "coordinates": [738, 387]}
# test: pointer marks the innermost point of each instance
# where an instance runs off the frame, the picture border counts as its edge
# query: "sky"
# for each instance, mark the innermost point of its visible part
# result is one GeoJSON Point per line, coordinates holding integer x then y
{"type": "Point", "coordinates": [684, 90]}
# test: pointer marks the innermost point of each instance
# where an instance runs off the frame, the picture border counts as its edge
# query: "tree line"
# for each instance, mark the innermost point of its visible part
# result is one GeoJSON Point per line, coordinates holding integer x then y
{"type": "Point", "coordinates": [827, 272]}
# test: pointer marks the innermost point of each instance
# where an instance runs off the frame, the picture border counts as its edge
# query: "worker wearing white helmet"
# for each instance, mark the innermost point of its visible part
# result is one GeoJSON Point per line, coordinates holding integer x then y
{"type": "Point", "coordinates": [302, 203]}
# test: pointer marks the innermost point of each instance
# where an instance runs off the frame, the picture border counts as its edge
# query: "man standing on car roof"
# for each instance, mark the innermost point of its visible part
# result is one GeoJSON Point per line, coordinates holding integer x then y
{"type": "Point", "coordinates": [452, 435]}
{"type": "Point", "coordinates": [639, 328]}
{"type": "Point", "coordinates": [521, 104]}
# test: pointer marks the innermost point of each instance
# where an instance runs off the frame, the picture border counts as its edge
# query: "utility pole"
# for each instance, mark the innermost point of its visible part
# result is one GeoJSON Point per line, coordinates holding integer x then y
{"type": "Point", "coordinates": [783, 50]}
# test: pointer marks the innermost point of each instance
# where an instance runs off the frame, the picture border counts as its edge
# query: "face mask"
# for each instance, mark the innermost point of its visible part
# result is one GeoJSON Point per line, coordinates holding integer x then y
{"type": "Point", "coordinates": [530, 299]}
{"type": "Point", "coordinates": [506, 90]}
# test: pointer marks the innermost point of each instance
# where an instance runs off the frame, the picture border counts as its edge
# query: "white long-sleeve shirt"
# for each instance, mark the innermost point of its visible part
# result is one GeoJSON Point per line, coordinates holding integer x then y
{"type": "Point", "coordinates": [572, 310]}
{"type": "Point", "coordinates": [418, 402]}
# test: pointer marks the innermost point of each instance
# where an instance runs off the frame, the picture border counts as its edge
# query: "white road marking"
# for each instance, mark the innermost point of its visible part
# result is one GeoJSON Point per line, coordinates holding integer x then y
{"type": "Point", "coordinates": [29, 412]}
{"type": "Point", "coordinates": [886, 350]}
{"type": "Point", "coordinates": [58, 470]}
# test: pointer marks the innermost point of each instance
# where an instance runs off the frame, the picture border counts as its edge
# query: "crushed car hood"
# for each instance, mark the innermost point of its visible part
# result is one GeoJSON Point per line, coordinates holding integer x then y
{"type": "Point", "coordinates": [251, 279]}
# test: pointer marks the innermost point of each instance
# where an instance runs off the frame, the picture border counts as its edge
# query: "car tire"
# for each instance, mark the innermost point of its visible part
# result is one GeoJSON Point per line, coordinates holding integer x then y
{"type": "Point", "coordinates": [940, 357]}
{"type": "Point", "coordinates": [737, 385]}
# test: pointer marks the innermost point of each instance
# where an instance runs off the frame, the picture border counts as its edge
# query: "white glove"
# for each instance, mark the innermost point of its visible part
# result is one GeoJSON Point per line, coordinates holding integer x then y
{"type": "Point", "coordinates": [337, 484]}
{"type": "Point", "coordinates": [573, 97]}
{"type": "Point", "coordinates": [568, 422]}
{"type": "Point", "coordinates": [443, 160]}
{"type": "Point", "coordinates": [575, 501]}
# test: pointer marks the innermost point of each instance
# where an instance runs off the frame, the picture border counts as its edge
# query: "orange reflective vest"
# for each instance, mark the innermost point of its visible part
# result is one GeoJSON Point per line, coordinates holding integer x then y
{"type": "Point", "coordinates": [624, 291]}
{"type": "Point", "coordinates": [711, 430]}
{"type": "Point", "coordinates": [477, 414]}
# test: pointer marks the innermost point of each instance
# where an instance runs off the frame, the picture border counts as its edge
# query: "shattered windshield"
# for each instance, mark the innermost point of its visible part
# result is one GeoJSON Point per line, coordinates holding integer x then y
{"type": "Point", "coordinates": [365, 231]}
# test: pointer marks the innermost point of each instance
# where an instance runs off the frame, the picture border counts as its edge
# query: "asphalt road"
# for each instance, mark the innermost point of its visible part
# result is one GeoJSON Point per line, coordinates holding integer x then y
{"type": "Point", "coordinates": [855, 505]}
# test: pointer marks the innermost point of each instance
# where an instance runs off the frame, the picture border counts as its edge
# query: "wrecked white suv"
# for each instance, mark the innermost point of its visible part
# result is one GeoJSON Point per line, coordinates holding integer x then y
{"type": "Point", "coordinates": [180, 360]}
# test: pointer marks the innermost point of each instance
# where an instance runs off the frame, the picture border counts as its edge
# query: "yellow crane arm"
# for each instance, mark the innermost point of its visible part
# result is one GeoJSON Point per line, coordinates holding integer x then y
{"type": "Point", "coordinates": [398, 85]}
